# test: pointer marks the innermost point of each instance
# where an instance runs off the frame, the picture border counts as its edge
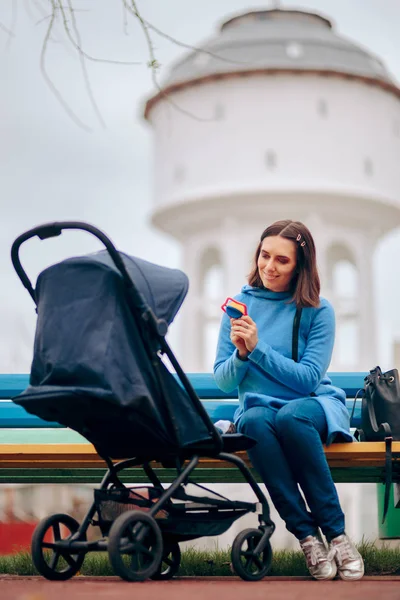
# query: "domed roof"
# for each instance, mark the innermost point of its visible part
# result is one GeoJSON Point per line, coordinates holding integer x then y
{"type": "Point", "coordinates": [277, 39]}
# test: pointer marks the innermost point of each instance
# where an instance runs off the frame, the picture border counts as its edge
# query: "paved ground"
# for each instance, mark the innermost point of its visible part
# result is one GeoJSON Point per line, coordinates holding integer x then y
{"type": "Point", "coordinates": [272, 588]}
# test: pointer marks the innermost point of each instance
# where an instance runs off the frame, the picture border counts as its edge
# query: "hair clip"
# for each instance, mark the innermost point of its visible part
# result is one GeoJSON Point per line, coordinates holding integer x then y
{"type": "Point", "coordinates": [298, 237]}
{"type": "Point", "coordinates": [303, 243]}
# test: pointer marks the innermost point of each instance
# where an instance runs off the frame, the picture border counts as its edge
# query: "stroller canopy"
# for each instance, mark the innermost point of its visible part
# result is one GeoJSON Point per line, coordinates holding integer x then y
{"type": "Point", "coordinates": [95, 366]}
{"type": "Point", "coordinates": [163, 289]}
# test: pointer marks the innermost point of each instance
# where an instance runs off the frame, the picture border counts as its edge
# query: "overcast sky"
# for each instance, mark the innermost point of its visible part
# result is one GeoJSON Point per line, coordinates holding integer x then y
{"type": "Point", "coordinates": [51, 169]}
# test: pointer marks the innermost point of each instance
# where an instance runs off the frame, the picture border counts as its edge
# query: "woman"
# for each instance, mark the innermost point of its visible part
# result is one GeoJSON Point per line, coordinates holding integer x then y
{"type": "Point", "coordinates": [290, 408]}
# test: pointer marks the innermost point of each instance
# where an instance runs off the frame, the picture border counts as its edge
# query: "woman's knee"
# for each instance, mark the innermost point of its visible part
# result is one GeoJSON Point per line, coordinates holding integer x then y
{"type": "Point", "coordinates": [286, 423]}
{"type": "Point", "coordinates": [300, 415]}
{"type": "Point", "coordinates": [254, 421]}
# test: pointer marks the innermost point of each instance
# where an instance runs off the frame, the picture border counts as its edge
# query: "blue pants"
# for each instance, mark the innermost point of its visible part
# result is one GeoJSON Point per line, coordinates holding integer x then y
{"type": "Point", "coordinates": [290, 452]}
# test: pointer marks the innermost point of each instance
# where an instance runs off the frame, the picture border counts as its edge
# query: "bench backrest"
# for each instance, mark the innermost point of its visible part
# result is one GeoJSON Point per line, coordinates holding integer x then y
{"type": "Point", "coordinates": [219, 404]}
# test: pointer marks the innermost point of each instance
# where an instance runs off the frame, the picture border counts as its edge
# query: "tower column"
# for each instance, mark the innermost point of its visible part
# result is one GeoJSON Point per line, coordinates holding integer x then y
{"type": "Point", "coordinates": [190, 314]}
{"type": "Point", "coordinates": [367, 343]}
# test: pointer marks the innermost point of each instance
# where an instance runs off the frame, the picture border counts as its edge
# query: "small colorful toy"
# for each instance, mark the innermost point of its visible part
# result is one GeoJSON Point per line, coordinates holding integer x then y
{"type": "Point", "coordinates": [234, 308]}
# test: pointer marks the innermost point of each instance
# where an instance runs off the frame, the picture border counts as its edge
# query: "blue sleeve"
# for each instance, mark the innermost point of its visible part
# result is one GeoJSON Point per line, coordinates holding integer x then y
{"type": "Point", "coordinates": [229, 370]}
{"type": "Point", "coordinates": [303, 376]}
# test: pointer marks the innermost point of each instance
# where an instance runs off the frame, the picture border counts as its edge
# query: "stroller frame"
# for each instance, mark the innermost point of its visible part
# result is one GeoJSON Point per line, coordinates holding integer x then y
{"type": "Point", "coordinates": [152, 553]}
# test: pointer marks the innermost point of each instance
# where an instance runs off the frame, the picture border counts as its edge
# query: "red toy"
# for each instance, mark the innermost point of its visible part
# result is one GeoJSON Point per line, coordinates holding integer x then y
{"type": "Point", "coordinates": [234, 308]}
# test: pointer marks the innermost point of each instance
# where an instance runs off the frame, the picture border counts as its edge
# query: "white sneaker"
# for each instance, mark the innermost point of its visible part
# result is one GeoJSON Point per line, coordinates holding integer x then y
{"type": "Point", "coordinates": [320, 562]}
{"type": "Point", "coordinates": [349, 561]}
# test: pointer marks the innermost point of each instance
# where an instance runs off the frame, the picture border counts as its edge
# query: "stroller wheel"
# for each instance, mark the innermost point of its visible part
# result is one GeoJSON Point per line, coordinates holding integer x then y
{"type": "Point", "coordinates": [245, 562]}
{"type": "Point", "coordinates": [170, 562]}
{"type": "Point", "coordinates": [135, 546]}
{"type": "Point", "coordinates": [53, 562]}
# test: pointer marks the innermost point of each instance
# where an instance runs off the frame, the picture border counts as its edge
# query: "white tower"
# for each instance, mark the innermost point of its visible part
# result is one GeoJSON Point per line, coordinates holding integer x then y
{"type": "Point", "coordinates": [277, 117]}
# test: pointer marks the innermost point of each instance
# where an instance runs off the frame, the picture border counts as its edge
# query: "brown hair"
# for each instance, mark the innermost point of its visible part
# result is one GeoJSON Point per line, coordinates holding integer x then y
{"type": "Point", "coordinates": [305, 284]}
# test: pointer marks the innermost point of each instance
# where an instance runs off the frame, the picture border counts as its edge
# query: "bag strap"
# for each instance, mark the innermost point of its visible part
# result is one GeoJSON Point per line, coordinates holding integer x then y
{"type": "Point", "coordinates": [295, 336]}
{"type": "Point", "coordinates": [388, 473]}
{"type": "Point", "coordinates": [360, 391]}
{"type": "Point", "coordinates": [388, 451]}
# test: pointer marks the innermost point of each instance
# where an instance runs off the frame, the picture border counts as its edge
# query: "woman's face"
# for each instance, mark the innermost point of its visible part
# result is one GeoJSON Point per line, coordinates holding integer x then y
{"type": "Point", "coordinates": [277, 263]}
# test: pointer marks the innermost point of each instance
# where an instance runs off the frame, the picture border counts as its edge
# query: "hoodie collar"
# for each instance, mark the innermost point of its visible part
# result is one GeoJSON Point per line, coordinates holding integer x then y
{"type": "Point", "coordinates": [265, 293]}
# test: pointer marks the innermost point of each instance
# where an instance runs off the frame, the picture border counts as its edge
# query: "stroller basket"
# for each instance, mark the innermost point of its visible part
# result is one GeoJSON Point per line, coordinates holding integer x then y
{"type": "Point", "coordinates": [113, 502]}
{"type": "Point", "coordinates": [180, 520]}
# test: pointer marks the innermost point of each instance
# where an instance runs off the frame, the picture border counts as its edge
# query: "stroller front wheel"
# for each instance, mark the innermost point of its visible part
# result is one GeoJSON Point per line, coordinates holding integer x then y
{"type": "Point", "coordinates": [50, 556]}
{"type": "Point", "coordinates": [135, 546]}
{"type": "Point", "coordinates": [249, 565]}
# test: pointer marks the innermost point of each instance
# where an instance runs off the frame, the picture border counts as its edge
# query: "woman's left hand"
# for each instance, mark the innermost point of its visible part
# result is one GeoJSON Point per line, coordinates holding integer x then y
{"type": "Point", "coordinates": [246, 329]}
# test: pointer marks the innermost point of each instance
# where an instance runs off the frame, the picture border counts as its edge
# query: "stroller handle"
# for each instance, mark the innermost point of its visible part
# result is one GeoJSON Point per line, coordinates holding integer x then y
{"type": "Point", "coordinates": [48, 230]}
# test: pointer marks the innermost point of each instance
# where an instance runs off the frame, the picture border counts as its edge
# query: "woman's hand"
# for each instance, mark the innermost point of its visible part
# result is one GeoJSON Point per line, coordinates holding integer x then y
{"type": "Point", "coordinates": [239, 343]}
{"type": "Point", "coordinates": [244, 332]}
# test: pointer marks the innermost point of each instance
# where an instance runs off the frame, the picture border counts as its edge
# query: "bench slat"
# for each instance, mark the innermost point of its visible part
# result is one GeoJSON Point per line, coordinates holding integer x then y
{"type": "Point", "coordinates": [206, 476]}
{"type": "Point", "coordinates": [40, 436]}
{"type": "Point", "coordinates": [359, 449]}
{"type": "Point", "coordinates": [358, 454]}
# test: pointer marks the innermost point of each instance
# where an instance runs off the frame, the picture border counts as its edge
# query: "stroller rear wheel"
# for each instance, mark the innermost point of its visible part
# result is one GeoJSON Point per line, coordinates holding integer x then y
{"type": "Point", "coordinates": [53, 562]}
{"type": "Point", "coordinates": [135, 546]}
{"type": "Point", "coordinates": [245, 562]}
{"type": "Point", "coordinates": [170, 562]}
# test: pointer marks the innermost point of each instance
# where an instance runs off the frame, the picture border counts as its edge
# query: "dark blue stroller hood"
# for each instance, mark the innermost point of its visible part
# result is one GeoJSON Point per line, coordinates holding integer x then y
{"type": "Point", "coordinates": [96, 367]}
{"type": "Point", "coordinates": [162, 289]}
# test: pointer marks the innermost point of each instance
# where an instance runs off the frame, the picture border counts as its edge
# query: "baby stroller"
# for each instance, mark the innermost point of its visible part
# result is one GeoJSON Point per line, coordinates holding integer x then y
{"type": "Point", "coordinates": [99, 369]}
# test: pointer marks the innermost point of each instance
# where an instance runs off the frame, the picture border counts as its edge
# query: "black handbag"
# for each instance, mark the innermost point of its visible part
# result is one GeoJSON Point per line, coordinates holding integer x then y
{"type": "Point", "coordinates": [380, 417]}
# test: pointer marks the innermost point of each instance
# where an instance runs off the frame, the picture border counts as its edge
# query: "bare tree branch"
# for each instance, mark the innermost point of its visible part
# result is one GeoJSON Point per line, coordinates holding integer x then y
{"type": "Point", "coordinates": [81, 57]}
{"type": "Point", "coordinates": [77, 44]}
{"type": "Point", "coordinates": [125, 19]}
{"type": "Point", "coordinates": [14, 12]}
{"type": "Point", "coordinates": [10, 31]}
{"type": "Point", "coordinates": [39, 7]}
{"type": "Point", "coordinates": [66, 12]}
{"type": "Point", "coordinates": [51, 85]}
{"type": "Point", "coordinates": [45, 17]}
{"type": "Point", "coordinates": [195, 48]}
{"type": "Point", "coordinates": [154, 64]}
{"type": "Point", "coordinates": [58, 7]}
{"type": "Point", "coordinates": [6, 30]}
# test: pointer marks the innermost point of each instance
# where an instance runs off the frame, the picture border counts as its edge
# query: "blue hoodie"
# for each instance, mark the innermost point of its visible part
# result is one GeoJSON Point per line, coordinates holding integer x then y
{"type": "Point", "coordinates": [270, 377]}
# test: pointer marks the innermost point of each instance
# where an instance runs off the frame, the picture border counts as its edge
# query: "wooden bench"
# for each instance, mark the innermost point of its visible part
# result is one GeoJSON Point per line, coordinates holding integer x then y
{"type": "Point", "coordinates": [35, 451]}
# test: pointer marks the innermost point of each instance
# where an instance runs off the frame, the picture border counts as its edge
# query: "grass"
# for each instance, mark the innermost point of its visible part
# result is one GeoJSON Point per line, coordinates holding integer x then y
{"type": "Point", "coordinates": [378, 561]}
